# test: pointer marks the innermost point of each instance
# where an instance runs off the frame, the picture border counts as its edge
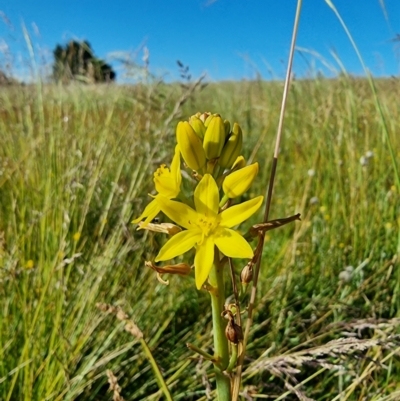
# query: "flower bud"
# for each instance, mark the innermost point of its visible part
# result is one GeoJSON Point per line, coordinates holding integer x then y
{"type": "Point", "coordinates": [238, 182]}
{"type": "Point", "coordinates": [246, 275]}
{"type": "Point", "coordinates": [232, 147]}
{"type": "Point", "coordinates": [190, 146]}
{"type": "Point", "coordinates": [203, 116]}
{"type": "Point", "coordinates": [214, 138]}
{"type": "Point", "coordinates": [239, 163]}
{"type": "Point", "coordinates": [227, 128]}
{"type": "Point", "coordinates": [198, 126]}
{"type": "Point", "coordinates": [208, 117]}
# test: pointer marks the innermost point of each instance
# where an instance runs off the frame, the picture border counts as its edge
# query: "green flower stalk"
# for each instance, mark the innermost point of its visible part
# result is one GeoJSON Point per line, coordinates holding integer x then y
{"type": "Point", "coordinates": [212, 150]}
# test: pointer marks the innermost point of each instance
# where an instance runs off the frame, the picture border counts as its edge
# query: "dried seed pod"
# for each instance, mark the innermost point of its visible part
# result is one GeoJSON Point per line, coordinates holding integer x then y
{"type": "Point", "coordinates": [246, 276]}
{"type": "Point", "coordinates": [183, 269]}
{"type": "Point", "coordinates": [233, 331]}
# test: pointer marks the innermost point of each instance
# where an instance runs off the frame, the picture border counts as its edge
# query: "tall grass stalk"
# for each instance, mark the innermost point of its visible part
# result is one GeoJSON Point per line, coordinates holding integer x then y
{"type": "Point", "coordinates": [269, 187]}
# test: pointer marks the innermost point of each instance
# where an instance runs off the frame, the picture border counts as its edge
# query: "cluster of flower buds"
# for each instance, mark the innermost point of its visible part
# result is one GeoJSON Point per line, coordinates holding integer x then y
{"type": "Point", "coordinates": [207, 141]}
{"type": "Point", "coordinates": [209, 138]}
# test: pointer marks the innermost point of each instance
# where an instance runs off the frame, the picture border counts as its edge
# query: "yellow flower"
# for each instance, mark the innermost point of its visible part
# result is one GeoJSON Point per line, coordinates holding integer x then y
{"type": "Point", "coordinates": [167, 183]}
{"type": "Point", "coordinates": [205, 228]}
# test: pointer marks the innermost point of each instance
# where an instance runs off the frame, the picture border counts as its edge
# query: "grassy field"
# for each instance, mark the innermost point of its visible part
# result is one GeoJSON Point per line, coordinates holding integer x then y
{"type": "Point", "coordinates": [76, 166]}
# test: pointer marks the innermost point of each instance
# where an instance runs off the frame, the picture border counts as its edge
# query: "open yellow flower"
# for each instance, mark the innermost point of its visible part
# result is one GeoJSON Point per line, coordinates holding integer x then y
{"type": "Point", "coordinates": [205, 228]}
{"type": "Point", "coordinates": [168, 184]}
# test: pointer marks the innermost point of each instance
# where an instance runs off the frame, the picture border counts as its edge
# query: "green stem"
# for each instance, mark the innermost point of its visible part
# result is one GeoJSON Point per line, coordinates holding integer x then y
{"type": "Point", "coordinates": [224, 199]}
{"type": "Point", "coordinates": [156, 370]}
{"type": "Point", "coordinates": [210, 166]}
{"type": "Point", "coordinates": [234, 356]}
{"type": "Point", "coordinates": [202, 353]}
{"type": "Point", "coordinates": [221, 349]}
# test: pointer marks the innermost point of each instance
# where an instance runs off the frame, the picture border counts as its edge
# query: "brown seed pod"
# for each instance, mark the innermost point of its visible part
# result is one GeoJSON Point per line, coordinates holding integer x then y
{"type": "Point", "coordinates": [233, 331]}
{"type": "Point", "coordinates": [246, 275]}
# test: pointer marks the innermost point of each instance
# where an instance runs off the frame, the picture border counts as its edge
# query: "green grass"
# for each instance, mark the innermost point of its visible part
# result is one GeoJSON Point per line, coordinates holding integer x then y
{"type": "Point", "coordinates": [76, 166]}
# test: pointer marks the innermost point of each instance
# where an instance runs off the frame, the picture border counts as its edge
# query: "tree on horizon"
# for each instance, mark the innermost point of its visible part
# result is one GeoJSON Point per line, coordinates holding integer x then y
{"type": "Point", "coordinates": [76, 62]}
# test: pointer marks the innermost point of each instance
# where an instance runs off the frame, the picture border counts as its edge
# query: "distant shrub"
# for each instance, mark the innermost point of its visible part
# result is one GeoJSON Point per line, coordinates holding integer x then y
{"type": "Point", "coordinates": [6, 80]}
{"type": "Point", "coordinates": [76, 61]}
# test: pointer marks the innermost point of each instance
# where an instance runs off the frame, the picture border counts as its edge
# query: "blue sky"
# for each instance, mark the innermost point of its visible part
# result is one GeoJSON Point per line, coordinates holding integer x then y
{"type": "Point", "coordinates": [228, 39]}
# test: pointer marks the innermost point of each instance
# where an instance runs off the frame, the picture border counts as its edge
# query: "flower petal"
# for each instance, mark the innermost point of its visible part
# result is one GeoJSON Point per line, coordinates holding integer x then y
{"type": "Point", "coordinates": [168, 181]}
{"type": "Point", "coordinates": [206, 196]}
{"type": "Point", "coordinates": [165, 183]}
{"type": "Point", "coordinates": [232, 244]}
{"type": "Point", "coordinates": [178, 212]}
{"type": "Point", "coordinates": [176, 167]}
{"type": "Point", "coordinates": [179, 244]}
{"type": "Point", "coordinates": [203, 261]}
{"type": "Point", "coordinates": [238, 213]}
{"type": "Point", "coordinates": [151, 211]}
